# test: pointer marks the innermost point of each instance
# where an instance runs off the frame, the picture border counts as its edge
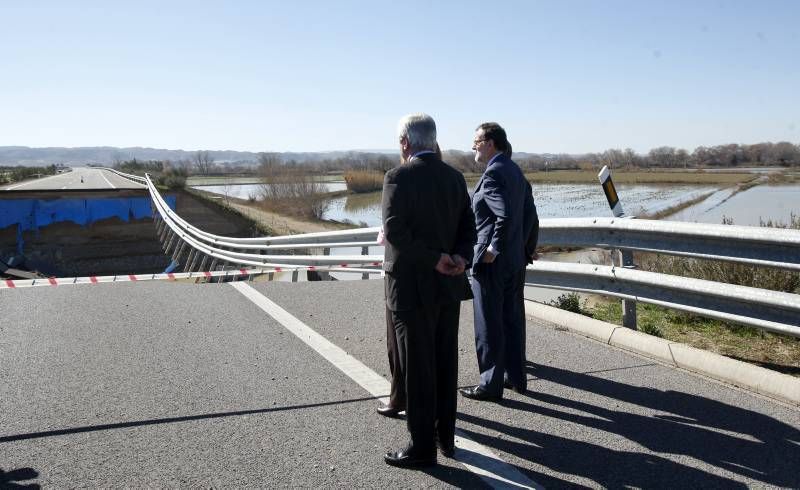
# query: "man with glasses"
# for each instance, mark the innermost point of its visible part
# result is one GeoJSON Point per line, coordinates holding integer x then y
{"type": "Point", "coordinates": [508, 226]}
{"type": "Point", "coordinates": [429, 231]}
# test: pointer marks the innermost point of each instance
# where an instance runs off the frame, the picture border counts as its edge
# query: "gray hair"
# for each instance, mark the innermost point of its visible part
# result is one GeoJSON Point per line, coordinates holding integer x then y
{"type": "Point", "coordinates": [420, 131]}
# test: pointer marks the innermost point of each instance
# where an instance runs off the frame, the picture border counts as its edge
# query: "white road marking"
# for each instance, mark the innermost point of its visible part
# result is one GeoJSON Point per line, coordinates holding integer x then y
{"type": "Point", "coordinates": [103, 174]}
{"type": "Point", "coordinates": [475, 457]}
{"type": "Point", "coordinates": [33, 182]}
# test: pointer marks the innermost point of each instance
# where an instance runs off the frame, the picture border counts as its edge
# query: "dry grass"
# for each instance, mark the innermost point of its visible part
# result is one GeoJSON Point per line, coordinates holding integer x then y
{"type": "Point", "coordinates": [678, 207]}
{"type": "Point", "coordinates": [361, 181]}
{"type": "Point", "coordinates": [785, 177]}
{"type": "Point", "coordinates": [773, 351]}
{"type": "Point", "coordinates": [730, 273]}
{"type": "Point", "coordinates": [292, 192]}
{"type": "Point", "coordinates": [778, 352]}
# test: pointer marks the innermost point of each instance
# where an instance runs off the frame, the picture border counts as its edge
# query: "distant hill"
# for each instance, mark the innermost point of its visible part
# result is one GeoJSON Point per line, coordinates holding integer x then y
{"type": "Point", "coordinates": [107, 155]}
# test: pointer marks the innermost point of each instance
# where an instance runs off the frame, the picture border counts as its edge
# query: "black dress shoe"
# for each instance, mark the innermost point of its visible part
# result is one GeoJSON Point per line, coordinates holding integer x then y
{"type": "Point", "coordinates": [448, 448]}
{"type": "Point", "coordinates": [447, 451]}
{"type": "Point", "coordinates": [507, 384]}
{"type": "Point", "coordinates": [389, 411]}
{"type": "Point", "coordinates": [408, 458]}
{"type": "Point", "coordinates": [478, 393]}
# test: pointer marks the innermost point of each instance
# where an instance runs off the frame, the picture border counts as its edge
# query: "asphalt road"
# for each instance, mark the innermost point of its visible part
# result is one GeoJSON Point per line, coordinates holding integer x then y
{"type": "Point", "coordinates": [173, 384]}
{"type": "Point", "coordinates": [84, 178]}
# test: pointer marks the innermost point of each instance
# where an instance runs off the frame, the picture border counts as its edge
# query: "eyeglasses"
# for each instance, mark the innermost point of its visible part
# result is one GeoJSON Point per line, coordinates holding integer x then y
{"type": "Point", "coordinates": [477, 142]}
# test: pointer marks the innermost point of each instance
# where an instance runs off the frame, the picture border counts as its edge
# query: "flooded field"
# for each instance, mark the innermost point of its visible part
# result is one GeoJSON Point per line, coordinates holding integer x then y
{"type": "Point", "coordinates": [245, 191]}
{"type": "Point", "coordinates": [760, 203]}
{"type": "Point", "coordinates": [552, 201]}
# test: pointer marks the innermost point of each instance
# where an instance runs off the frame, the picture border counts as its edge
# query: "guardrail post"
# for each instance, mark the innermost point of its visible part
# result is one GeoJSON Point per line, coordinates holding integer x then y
{"type": "Point", "coordinates": [202, 267]}
{"type": "Point", "coordinates": [189, 259]}
{"type": "Point", "coordinates": [628, 305]}
{"type": "Point", "coordinates": [325, 275]}
{"type": "Point", "coordinates": [320, 275]}
{"type": "Point", "coordinates": [295, 275]}
{"type": "Point", "coordinates": [164, 230]}
{"type": "Point", "coordinates": [168, 243]}
{"type": "Point", "coordinates": [364, 251]}
{"type": "Point", "coordinates": [178, 252]}
{"type": "Point", "coordinates": [196, 258]}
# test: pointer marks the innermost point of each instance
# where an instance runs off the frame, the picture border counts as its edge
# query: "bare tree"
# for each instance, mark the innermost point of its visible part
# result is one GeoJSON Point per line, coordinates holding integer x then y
{"type": "Point", "coordinates": [203, 162]}
{"type": "Point", "coordinates": [663, 156]}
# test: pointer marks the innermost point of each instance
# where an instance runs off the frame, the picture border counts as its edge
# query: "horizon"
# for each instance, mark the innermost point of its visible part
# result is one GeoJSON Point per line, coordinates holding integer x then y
{"type": "Point", "coordinates": [374, 150]}
{"type": "Point", "coordinates": [573, 78]}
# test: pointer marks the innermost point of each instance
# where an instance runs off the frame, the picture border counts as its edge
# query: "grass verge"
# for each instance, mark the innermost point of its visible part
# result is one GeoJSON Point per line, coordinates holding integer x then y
{"type": "Point", "coordinates": [773, 351]}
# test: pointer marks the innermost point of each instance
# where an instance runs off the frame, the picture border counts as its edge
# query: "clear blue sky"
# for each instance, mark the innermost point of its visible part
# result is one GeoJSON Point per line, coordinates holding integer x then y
{"type": "Point", "coordinates": [571, 76]}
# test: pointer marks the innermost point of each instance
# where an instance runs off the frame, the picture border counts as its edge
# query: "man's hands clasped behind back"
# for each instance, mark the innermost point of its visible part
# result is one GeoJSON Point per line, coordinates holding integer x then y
{"type": "Point", "coordinates": [451, 265]}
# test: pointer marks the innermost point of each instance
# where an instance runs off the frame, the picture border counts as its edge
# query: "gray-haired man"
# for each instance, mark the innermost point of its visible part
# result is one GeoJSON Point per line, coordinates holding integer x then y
{"type": "Point", "coordinates": [429, 231]}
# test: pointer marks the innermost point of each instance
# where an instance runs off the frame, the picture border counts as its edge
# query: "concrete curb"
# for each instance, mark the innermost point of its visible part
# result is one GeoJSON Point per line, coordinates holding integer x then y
{"type": "Point", "coordinates": [748, 376]}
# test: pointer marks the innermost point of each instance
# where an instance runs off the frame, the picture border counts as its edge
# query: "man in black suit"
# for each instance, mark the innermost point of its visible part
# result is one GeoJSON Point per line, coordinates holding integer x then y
{"type": "Point", "coordinates": [430, 232]}
{"type": "Point", "coordinates": [508, 227]}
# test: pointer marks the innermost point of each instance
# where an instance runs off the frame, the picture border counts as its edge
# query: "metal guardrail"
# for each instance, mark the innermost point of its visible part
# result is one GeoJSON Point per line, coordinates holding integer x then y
{"type": "Point", "coordinates": [766, 247]}
{"type": "Point", "coordinates": [768, 310]}
{"type": "Point", "coordinates": [769, 247]}
{"type": "Point", "coordinates": [195, 248]}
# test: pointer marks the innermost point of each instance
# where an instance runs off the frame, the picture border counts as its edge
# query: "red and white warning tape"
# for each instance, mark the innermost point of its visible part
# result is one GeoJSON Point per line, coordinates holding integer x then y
{"type": "Point", "coordinates": [174, 276]}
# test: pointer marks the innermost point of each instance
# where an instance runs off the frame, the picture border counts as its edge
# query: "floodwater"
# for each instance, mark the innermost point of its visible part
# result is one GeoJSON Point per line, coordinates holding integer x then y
{"type": "Point", "coordinates": [246, 191]}
{"type": "Point", "coordinates": [748, 208]}
{"type": "Point", "coordinates": [552, 201]}
{"type": "Point", "coordinates": [774, 202]}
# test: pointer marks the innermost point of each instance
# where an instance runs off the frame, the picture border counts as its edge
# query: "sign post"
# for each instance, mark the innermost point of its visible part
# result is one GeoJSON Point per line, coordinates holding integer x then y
{"type": "Point", "coordinates": [625, 256]}
{"type": "Point", "coordinates": [610, 191]}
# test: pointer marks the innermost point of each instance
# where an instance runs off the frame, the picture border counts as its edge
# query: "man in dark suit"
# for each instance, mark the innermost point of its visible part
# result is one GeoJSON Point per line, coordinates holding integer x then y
{"type": "Point", "coordinates": [397, 393]}
{"type": "Point", "coordinates": [508, 227]}
{"type": "Point", "coordinates": [430, 232]}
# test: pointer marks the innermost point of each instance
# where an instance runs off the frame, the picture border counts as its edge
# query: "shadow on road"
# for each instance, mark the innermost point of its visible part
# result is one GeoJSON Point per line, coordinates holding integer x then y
{"type": "Point", "coordinates": [17, 479]}
{"type": "Point", "coordinates": [727, 437]}
{"type": "Point", "coordinates": [170, 420]}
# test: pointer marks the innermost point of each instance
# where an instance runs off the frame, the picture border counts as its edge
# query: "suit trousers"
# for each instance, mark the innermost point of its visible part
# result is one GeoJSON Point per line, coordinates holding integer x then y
{"type": "Point", "coordinates": [499, 325]}
{"type": "Point", "coordinates": [397, 393]}
{"type": "Point", "coordinates": [427, 338]}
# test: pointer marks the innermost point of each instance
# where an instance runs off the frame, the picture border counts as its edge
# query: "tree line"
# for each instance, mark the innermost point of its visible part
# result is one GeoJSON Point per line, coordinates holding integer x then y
{"type": "Point", "coordinates": [782, 154]}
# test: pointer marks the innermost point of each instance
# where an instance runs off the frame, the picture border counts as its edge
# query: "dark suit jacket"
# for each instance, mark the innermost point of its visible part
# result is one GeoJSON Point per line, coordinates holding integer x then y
{"type": "Point", "coordinates": [505, 214]}
{"type": "Point", "coordinates": [426, 212]}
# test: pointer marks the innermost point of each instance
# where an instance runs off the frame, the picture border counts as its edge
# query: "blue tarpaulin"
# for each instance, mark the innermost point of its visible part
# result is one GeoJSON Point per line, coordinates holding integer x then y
{"type": "Point", "coordinates": [32, 214]}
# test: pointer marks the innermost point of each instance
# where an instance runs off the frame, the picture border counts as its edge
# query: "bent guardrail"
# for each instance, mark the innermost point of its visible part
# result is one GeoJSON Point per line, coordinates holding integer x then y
{"type": "Point", "coordinates": [195, 248]}
{"type": "Point", "coordinates": [764, 247]}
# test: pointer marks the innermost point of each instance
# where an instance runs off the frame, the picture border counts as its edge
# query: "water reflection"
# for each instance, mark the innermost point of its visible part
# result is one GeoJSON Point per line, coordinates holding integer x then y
{"type": "Point", "coordinates": [763, 202]}
{"type": "Point", "coordinates": [586, 200]}
{"type": "Point", "coordinates": [552, 201]}
{"type": "Point", "coordinates": [248, 191]}
{"type": "Point", "coordinates": [362, 209]}
{"type": "Point", "coordinates": [360, 203]}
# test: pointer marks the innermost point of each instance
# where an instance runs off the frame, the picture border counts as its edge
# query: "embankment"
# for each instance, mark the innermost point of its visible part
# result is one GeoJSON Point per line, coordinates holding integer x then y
{"type": "Point", "coordinates": [66, 234]}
